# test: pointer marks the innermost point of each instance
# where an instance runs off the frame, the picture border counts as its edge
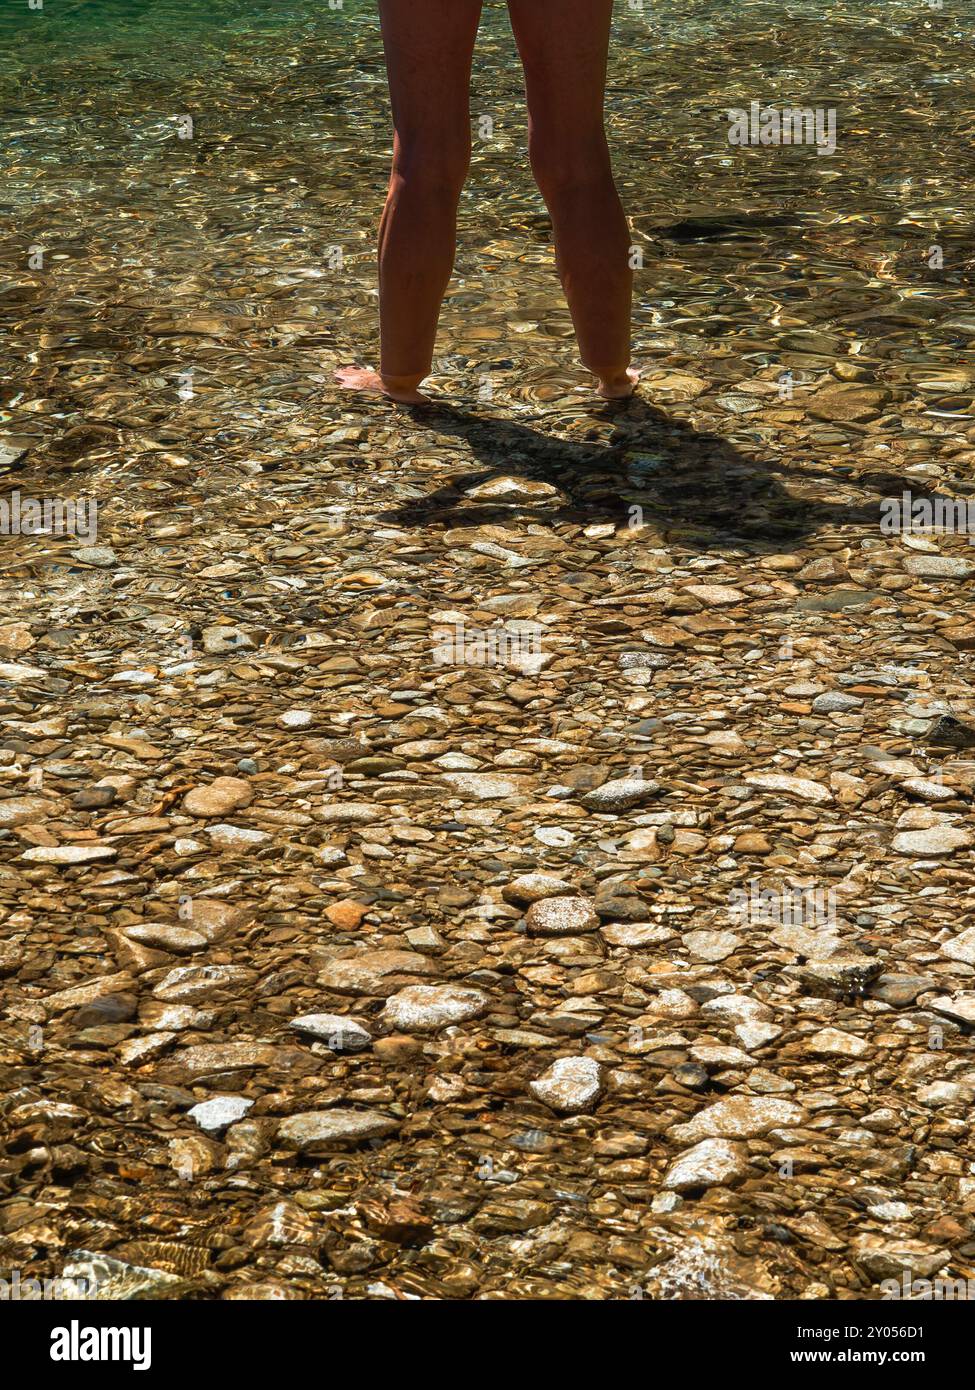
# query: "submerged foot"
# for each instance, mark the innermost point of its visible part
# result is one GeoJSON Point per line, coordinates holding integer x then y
{"type": "Point", "coordinates": [619, 386]}
{"type": "Point", "coordinates": [402, 389]}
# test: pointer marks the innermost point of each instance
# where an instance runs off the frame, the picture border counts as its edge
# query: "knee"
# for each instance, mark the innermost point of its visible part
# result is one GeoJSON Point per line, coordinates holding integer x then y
{"type": "Point", "coordinates": [437, 168]}
{"type": "Point", "coordinates": [567, 170]}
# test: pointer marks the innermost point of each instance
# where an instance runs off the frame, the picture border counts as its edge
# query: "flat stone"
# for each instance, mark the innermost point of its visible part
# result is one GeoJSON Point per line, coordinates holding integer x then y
{"type": "Point", "coordinates": [66, 855]}
{"type": "Point", "coordinates": [711, 1163]}
{"type": "Point", "coordinates": [322, 1131]}
{"type": "Point", "coordinates": [350, 813]}
{"type": "Point", "coordinates": [900, 991]}
{"type": "Point", "coordinates": [426, 1008]}
{"type": "Point", "coordinates": [635, 934]}
{"type": "Point", "coordinates": [347, 914]}
{"type": "Point", "coordinates": [26, 810]}
{"type": "Point", "coordinates": [958, 1007]}
{"type": "Point", "coordinates": [961, 947]}
{"type": "Point", "coordinates": [620, 795]}
{"type": "Point", "coordinates": [507, 489]}
{"type": "Point", "coordinates": [940, 839]}
{"type": "Point", "coordinates": [218, 798]}
{"type": "Point", "coordinates": [337, 1031]}
{"type": "Point", "coordinates": [738, 1117]}
{"type": "Point", "coordinates": [833, 1042]}
{"type": "Point", "coordinates": [847, 403]}
{"type": "Point", "coordinates": [890, 1257]}
{"type": "Point", "coordinates": [218, 640]}
{"type": "Point", "coordinates": [938, 567]}
{"type": "Point", "coordinates": [166, 936]}
{"type": "Point", "coordinates": [483, 786]}
{"type": "Point", "coordinates": [711, 945]}
{"type": "Point", "coordinates": [374, 972]}
{"type": "Point", "coordinates": [531, 888]}
{"type": "Point", "coordinates": [186, 984]}
{"type": "Point", "coordinates": [569, 1086]}
{"type": "Point", "coordinates": [714, 595]}
{"type": "Point", "coordinates": [75, 996]}
{"type": "Point", "coordinates": [231, 1056]}
{"type": "Point", "coordinates": [236, 837]}
{"type": "Point", "coordinates": [215, 1115]}
{"type": "Point", "coordinates": [835, 702]}
{"type": "Point", "coordinates": [101, 556]}
{"type": "Point", "coordinates": [561, 917]}
{"type": "Point", "coordinates": [801, 788]}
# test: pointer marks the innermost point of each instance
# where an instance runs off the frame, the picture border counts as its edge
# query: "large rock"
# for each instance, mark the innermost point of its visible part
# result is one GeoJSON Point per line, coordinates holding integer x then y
{"type": "Point", "coordinates": [65, 856]}
{"type": "Point", "coordinates": [532, 888]}
{"type": "Point", "coordinates": [375, 972]}
{"type": "Point", "coordinates": [561, 917]}
{"type": "Point", "coordinates": [570, 1085]}
{"type": "Point", "coordinates": [799, 788]}
{"type": "Point", "coordinates": [940, 839]}
{"type": "Point", "coordinates": [321, 1131]}
{"type": "Point", "coordinates": [712, 1163]}
{"type": "Point", "coordinates": [620, 795]}
{"type": "Point", "coordinates": [337, 1031]}
{"type": "Point", "coordinates": [218, 798]}
{"type": "Point", "coordinates": [425, 1008]}
{"type": "Point", "coordinates": [738, 1117]}
{"type": "Point", "coordinates": [889, 1257]}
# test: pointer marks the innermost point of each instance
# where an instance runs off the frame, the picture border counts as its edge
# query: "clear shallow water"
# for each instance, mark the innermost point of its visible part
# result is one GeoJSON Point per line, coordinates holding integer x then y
{"type": "Point", "coordinates": [783, 255]}
{"type": "Point", "coordinates": [211, 260]}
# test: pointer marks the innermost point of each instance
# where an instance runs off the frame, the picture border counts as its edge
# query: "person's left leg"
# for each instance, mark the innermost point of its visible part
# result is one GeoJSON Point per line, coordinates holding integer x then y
{"type": "Point", "coordinates": [429, 46]}
{"type": "Point", "coordinates": [564, 45]}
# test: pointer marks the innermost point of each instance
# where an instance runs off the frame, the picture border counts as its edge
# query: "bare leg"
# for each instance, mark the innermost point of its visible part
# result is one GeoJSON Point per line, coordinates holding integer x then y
{"type": "Point", "coordinates": [564, 46]}
{"type": "Point", "coordinates": [429, 47]}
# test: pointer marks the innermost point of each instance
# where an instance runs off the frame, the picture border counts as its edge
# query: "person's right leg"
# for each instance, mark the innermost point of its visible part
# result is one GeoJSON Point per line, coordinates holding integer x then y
{"type": "Point", "coordinates": [564, 46]}
{"type": "Point", "coordinates": [429, 48]}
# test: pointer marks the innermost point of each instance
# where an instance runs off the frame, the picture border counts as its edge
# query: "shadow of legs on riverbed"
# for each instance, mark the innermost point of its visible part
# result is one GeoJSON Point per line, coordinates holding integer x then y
{"type": "Point", "coordinates": [682, 479]}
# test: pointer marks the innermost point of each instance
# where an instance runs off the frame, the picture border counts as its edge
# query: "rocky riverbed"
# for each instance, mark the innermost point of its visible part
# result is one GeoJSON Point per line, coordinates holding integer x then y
{"type": "Point", "coordinates": [558, 886]}
{"type": "Point", "coordinates": [522, 850]}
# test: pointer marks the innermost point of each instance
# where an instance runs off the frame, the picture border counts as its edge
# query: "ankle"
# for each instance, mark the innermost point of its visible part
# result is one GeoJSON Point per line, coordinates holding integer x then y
{"type": "Point", "coordinates": [611, 376]}
{"type": "Point", "coordinates": [400, 383]}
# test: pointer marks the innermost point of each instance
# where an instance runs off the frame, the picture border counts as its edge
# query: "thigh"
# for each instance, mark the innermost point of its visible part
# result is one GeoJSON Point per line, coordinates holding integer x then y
{"type": "Point", "coordinates": [564, 45]}
{"type": "Point", "coordinates": [429, 48]}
